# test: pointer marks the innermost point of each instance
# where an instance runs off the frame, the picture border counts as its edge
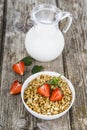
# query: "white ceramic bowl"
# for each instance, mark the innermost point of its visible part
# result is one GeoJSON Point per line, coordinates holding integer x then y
{"type": "Point", "coordinates": [40, 116]}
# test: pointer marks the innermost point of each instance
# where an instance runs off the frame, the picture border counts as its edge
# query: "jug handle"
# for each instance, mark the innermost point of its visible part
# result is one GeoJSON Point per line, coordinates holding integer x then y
{"type": "Point", "coordinates": [69, 21]}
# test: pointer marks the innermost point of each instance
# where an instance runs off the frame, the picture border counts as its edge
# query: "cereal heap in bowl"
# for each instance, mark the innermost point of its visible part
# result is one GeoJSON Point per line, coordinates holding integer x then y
{"type": "Point", "coordinates": [48, 95]}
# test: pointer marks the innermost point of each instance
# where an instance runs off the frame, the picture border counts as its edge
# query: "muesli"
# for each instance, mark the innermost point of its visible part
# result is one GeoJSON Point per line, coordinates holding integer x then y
{"type": "Point", "coordinates": [42, 104]}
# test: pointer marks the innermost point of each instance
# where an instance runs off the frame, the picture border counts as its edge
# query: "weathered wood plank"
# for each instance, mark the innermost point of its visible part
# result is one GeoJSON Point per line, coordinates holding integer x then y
{"type": "Point", "coordinates": [2, 14]}
{"type": "Point", "coordinates": [1, 30]}
{"type": "Point", "coordinates": [1, 18]}
{"type": "Point", "coordinates": [13, 114]}
{"type": "Point", "coordinates": [75, 60]}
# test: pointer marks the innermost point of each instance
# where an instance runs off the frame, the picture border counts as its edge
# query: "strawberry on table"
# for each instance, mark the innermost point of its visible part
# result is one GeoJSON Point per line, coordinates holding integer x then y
{"type": "Point", "coordinates": [15, 87]}
{"type": "Point", "coordinates": [19, 68]}
{"type": "Point", "coordinates": [57, 95]}
{"type": "Point", "coordinates": [44, 90]}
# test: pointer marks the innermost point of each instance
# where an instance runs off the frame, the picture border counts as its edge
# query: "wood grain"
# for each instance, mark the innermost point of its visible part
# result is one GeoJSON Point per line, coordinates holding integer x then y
{"type": "Point", "coordinates": [1, 31]}
{"type": "Point", "coordinates": [2, 12]}
{"type": "Point", "coordinates": [75, 60]}
{"type": "Point", "coordinates": [1, 18]}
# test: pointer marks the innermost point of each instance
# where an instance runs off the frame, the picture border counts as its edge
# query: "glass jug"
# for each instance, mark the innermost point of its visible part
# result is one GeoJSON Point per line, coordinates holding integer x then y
{"type": "Point", "coordinates": [44, 41]}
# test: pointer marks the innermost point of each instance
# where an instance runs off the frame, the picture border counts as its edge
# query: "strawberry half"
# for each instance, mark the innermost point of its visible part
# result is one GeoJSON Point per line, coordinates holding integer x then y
{"type": "Point", "coordinates": [15, 87]}
{"type": "Point", "coordinates": [57, 95]}
{"type": "Point", "coordinates": [19, 68]}
{"type": "Point", "coordinates": [44, 90]}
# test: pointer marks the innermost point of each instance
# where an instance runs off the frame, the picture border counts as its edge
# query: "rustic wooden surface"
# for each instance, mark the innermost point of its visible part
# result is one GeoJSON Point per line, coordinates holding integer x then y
{"type": "Point", "coordinates": [14, 23]}
{"type": "Point", "coordinates": [1, 30]}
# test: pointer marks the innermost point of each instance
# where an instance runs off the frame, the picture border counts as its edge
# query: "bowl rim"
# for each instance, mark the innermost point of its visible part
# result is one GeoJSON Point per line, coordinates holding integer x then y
{"type": "Point", "coordinates": [41, 116]}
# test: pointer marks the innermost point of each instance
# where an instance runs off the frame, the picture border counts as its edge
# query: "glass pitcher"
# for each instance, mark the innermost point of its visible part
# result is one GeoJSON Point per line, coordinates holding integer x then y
{"type": "Point", "coordinates": [44, 41]}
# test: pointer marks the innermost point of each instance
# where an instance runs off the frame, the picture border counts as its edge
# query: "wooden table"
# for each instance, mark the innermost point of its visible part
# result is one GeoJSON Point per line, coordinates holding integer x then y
{"type": "Point", "coordinates": [14, 23]}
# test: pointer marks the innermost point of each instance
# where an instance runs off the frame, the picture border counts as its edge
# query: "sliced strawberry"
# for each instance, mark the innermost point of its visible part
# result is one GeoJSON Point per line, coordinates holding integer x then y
{"type": "Point", "coordinates": [44, 90]}
{"type": "Point", "coordinates": [15, 87]}
{"type": "Point", "coordinates": [19, 68]}
{"type": "Point", "coordinates": [56, 95]}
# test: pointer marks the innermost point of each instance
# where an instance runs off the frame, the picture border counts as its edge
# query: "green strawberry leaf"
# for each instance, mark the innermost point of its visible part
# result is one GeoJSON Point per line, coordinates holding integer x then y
{"type": "Point", "coordinates": [27, 60]}
{"type": "Point", "coordinates": [36, 69]}
{"type": "Point", "coordinates": [55, 81]}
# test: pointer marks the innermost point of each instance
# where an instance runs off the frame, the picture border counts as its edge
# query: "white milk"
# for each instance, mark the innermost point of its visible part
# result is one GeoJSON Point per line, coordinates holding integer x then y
{"type": "Point", "coordinates": [44, 42]}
